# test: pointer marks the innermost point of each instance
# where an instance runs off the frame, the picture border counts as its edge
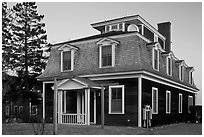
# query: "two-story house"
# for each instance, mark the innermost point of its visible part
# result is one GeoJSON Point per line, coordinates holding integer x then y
{"type": "Point", "coordinates": [133, 61]}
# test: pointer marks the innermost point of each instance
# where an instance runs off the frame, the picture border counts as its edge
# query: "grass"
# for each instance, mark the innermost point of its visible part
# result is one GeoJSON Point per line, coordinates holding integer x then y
{"type": "Point", "coordinates": [175, 129]}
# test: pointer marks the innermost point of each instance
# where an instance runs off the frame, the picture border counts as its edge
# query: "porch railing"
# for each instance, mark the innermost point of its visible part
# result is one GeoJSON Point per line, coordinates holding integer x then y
{"type": "Point", "coordinates": [73, 119]}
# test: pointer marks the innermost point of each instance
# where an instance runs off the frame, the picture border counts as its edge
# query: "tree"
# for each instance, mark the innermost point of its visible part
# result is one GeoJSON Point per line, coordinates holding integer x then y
{"type": "Point", "coordinates": [6, 36]}
{"type": "Point", "coordinates": [29, 39]}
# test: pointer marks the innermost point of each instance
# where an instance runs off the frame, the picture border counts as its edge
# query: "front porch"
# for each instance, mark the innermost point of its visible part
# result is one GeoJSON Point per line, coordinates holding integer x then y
{"type": "Point", "coordinates": [76, 102]}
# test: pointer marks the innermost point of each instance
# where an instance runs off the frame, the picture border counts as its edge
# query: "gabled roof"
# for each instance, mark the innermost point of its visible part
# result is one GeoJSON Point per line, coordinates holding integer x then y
{"type": "Point", "coordinates": [110, 41]}
{"type": "Point", "coordinates": [68, 46]}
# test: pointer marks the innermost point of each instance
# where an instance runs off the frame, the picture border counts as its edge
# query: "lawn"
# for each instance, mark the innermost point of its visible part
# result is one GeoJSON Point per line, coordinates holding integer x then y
{"type": "Point", "coordinates": [175, 129]}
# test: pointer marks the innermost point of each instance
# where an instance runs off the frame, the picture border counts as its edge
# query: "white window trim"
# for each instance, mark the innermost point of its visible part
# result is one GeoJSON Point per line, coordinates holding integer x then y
{"type": "Point", "coordinates": [113, 56]}
{"type": "Point", "coordinates": [167, 65]}
{"type": "Point", "coordinates": [180, 103]}
{"type": "Point", "coordinates": [153, 88]}
{"type": "Point", "coordinates": [123, 98]}
{"type": "Point", "coordinates": [168, 92]}
{"type": "Point", "coordinates": [157, 59]}
{"type": "Point", "coordinates": [190, 78]}
{"type": "Point", "coordinates": [181, 66]}
{"type": "Point", "coordinates": [72, 60]}
{"type": "Point", "coordinates": [188, 102]}
{"type": "Point", "coordinates": [35, 111]}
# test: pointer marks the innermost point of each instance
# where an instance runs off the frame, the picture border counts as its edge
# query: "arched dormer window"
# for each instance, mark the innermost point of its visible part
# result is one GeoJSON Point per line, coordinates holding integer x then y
{"type": "Point", "coordinates": [169, 65]}
{"type": "Point", "coordinates": [67, 57]}
{"type": "Point", "coordinates": [181, 72]}
{"type": "Point", "coordinates": [107, 52]}
{"type": "Point", "coordinates": [191, 75]}
{"type": "Point", "coordinates": [156, 49]}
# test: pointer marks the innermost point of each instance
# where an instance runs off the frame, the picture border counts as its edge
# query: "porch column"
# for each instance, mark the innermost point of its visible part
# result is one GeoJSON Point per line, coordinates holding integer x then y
{"type": "Point", "coordinates": [78, 106]}
{"type": "Point", "coordinates": [87, 106]}
{"type": "Point", "coordinates": [140, 101]}
{"type": "Point", "coordinates": [60, 107]}
{"type": "Point", "coordinates": [65, 103]}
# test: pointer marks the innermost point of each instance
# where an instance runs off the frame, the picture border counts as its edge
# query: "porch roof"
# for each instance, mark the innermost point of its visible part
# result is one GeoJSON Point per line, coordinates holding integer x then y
{"type": "Point", "coordinates": [76, 83]}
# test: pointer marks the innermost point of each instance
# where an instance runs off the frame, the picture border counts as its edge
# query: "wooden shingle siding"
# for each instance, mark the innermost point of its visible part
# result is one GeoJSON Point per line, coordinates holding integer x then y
{"type": "Point", "coordinates": [163, 118]}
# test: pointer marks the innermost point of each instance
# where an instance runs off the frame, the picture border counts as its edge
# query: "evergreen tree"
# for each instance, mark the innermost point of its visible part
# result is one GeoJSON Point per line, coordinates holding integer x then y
{"type": "Point", "coordinates": [6, 37]}
{"type": "Point", "coordinates": [28, 42]}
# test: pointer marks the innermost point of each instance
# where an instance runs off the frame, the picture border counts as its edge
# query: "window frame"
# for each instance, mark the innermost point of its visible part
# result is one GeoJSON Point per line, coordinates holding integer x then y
{"type": "Point", "coordinates": [72, 60]}
{"type": "Point", "coordinates": [168, 103]}
{"type": "Point", "coordinates": [169, 72]}
{"type": "Point", "coordinates": [181, 72]}
{"type": "Point", "coordinates": [36, 109]}
{"type": "Point", "coordinates": [117, 29]}
{"type": "Point", "coordinates": [180, 103]}
{"type": "Point", "coordinates": [191, 77]}
{"type": "Point", "coordinates": [112, 56]}
{"type": "Point", "coordinates": [123, 99]}
{"type": "Point", "coordinates": [153, 59]}
{"type": "Point", "coordinates": [15, 108]}
{"type": "Point", "coordinates": [189, 96]}
{"type": "Point", "coordinates": [157, 101]}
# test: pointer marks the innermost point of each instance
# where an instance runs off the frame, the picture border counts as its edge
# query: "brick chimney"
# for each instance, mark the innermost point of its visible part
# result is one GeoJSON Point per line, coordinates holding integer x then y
{"type": "Point", "coordinates": [165, 29]}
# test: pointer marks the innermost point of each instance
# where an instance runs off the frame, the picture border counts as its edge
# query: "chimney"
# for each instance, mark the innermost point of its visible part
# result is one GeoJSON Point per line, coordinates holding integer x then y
{"type": "Point", "coordinates": [165, 29]}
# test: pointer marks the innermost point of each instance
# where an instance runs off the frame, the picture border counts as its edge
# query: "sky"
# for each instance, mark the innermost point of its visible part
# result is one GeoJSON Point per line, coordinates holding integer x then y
{"type": "Point", "coordinates": [67, 21]}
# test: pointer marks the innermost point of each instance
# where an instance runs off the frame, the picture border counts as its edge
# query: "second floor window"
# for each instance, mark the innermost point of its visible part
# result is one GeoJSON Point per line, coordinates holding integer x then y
{"type": "Point", "coordinates": [106, 56]}
{"type": "Point", "coordinates": [191, 77]}
{"type": "Point", "coordinates": [155, 59]}
{"type": "Point", "coordinates": [66, 60]}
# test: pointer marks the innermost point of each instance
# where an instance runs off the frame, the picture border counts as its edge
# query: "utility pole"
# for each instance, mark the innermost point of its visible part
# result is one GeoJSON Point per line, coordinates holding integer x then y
{"type": "Point", "coordinates": [102, 107]}
{"type": "Point", "coordinates": [55, 108]}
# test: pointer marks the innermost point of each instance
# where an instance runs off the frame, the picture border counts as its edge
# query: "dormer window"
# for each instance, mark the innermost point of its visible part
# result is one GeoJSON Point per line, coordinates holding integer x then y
{"type": "Point", "coordinates": [191, 77]}
{"type": "Point", "coordinates": [181, 72]}
{"type": "Point", "coordinates": [107, 52]}
{"type": "Point", "coordinates": [155, 59]}
{"type": "Point", "coordinates": [169, 66]}
{"type": "Point", "coordinates": [67, 60]}
{"type": "Point", "coordinates": [67, 57]}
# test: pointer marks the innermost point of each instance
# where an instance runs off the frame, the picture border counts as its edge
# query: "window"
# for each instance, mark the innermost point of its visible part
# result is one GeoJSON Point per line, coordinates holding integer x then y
{"type": "Point", "coordinates": [116, 99]}
{"type": "Point", "coordinates": [181, 74]}
{"type": "Point", "coordinates": [155, 100]}
{"type": "Point", "coordinates": [191, 77]}
{"type": "Point", "coordinates": [7, 110]}
{"type": "Point", "coordinates": [155, 59]}
{"type": "Point", "coordinates": [114, 27]}
{"type": "Point", "coordinates": [168, 102]}
{"type": "Point", "coordinates": [180, 102]}
{"type": "Point", "coordinates": [169, 66]}
{"type": "Point", "coordinates": [34, 110]}
{"type": "Point", "coordinates": [20, 109]}
{"type": "Point", "coordinates": [15, 110]}
{"type": "Point", "coordinates": [107, 56]}
{"type": "Point", "coordinates": [67, 60]}
{"type": "Point", "coordinates": [190, 103]}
